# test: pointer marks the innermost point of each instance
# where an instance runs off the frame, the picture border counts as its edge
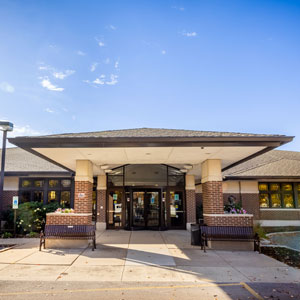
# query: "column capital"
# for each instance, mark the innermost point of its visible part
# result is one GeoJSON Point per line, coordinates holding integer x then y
{"type": "Point", "coordinates": [84, 170]}
{"type": "Point", "coordinates": [190, 182]}
{"type": "Point", "coordinates": [211, 170]}
{"type": "Point", "coordinates": [101, 182]}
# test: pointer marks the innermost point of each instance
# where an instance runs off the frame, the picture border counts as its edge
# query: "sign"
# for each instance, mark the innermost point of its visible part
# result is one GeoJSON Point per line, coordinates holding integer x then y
{"type": "Point", "coordinates": [15, 204]}
{"type": "Point", "coordinates": [115, 196]}
{"type": "Point", "coordinates": [152, 200]}
{"type": "Point", "coordinates": [81, 195]}
{"type": "Point", "coordinates": [176, 197]}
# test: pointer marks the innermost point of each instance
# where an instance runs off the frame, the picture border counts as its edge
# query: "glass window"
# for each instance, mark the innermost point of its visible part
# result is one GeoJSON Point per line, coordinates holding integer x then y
{"type": "Point", "coordinates": [288, 201]}
{"type": "Point", "coordinates": [276, 200]}
{"type": "Point", "coordinates": [52, 196]}
{"type": "Point", "coordinates": [53, 183]}
{"type": "Point", "coordinates": [66, 183]}
{"type": "Point", "coordinates": [287, 187]}
{"type": "Point", "coordinates": [115, 208]}
{"type": "Point", "coordinates": [26, 183]}
{"type": "Point", "coordinates": [25, 196]}
{"type": "Point", "coordinates": [38, 183]}
{"type": "Point", "coordinates": [114, 180]}
{"type": "Point", "coordinates": [274, 187]}
{"type": "Point", "coordinates": [65, 199]}
{"type": "Point", "coordinates": [263, 186]}
{"type": "Point", "coordinates": [176, 180]}
{"type": "Point", "coordinates": [176, 208]}
{"type": "Point", "coordinates": [38, 196]}
{"type": "Point", "coordinates": [264, 200]}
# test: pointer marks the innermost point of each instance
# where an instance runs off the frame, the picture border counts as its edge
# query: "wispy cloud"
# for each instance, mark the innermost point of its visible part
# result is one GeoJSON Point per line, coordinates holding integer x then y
{"type": "Point", "coordinates": [189, 34]}
{"type": "Point", "coordinates": [113, 79]}
{"type": "Point", "coordinates": [63, 75]}
{"type": "Point", "coordinates": [6, 87]}
{"type": "Point", "coordinates": [163, 52]}
{"type": "Point", "coordinates": [106, 61]}
{"type": "Point", "coordinates": [101, 44]}
{"type": "Point", "coordinates": [48, 85]}
{"type": "Point", "coordinates": [112, 27]}
{"type": "Point", "coordinates": [117, 64]}
{"type": "Point", "coordinates": [93, 66]}
{"type": "Point", "coordinates": [49, 110]}
{"type": "Point", "coordinates": [181, 8]}
{"type": "Point", "coordinates": [25, 130]}
{"type": "Point", "coordinates": [100, 80]}
{"type": "Point", "coordinates": [81, 53]}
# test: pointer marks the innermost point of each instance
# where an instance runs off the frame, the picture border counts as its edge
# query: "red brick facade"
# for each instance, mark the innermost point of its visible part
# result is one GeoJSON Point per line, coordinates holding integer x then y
{"type": "Point", "coordinates": [101, 202]}
{"type": "Point", "coordinates": [212, 196]}
{"type": "Point", "coordinates": [68, 219]}
{"type": "Point", "coordinates": [190, 206]}
{"type": "Point", "coordinates": [229, 220]}
{"type": "Point", "coordinates": [83, 197]}
{"type": "Point", "coordinates": [7, 198]}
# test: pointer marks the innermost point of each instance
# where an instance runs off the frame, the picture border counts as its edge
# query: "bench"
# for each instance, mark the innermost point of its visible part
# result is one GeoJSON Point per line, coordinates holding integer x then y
{"type": "Point", "coordinates": [228, 233]}
{"type": "Point", "coordinates": [71, 232]}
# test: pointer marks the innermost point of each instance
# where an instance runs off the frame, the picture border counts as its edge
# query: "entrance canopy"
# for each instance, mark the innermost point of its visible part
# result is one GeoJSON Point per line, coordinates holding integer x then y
{"type": "Point", "coordinates": [177, 148]}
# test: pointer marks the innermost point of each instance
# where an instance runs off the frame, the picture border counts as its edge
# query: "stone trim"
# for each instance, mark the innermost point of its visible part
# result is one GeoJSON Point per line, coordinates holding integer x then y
{"type": "Point", "coordinates": [68, 219]}
{"type": "Point", "coordinates": [229, 215]}
{"type": "Point", "coordinates": [228, 220]}
{"type": "Point", "coordinates": [67, 214]}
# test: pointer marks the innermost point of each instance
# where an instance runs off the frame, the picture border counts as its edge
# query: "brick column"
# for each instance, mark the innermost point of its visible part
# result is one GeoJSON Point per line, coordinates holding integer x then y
{"type": "Point", "coordinates": [101, 202]}
{"type": "Point", "coordinates": [190, 200]}
{"type": "Point", "coordinates": [212, 188]}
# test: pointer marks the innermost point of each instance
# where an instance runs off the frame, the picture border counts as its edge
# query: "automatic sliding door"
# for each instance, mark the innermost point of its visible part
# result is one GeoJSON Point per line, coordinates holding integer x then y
{"type": "Point", "coordinates": [153, 211]}
{"type": "Point", "coordinates": [138, 209]}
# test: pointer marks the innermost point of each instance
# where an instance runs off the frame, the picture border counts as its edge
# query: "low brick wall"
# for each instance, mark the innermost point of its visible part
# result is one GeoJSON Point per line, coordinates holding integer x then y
{"type": "Point", "coordinates": [68, 219]}
{"type": "Point", "coordinates": [228, 220]}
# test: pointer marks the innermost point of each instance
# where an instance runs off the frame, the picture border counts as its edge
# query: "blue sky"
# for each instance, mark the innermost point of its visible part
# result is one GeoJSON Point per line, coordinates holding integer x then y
{"type": "Point", "coordinates": [74, 66]}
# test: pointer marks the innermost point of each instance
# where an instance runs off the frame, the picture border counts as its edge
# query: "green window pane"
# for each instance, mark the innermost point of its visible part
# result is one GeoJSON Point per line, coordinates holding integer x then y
{"type": "Point", "coordinates": [53, 183]}
{"type": "Point", "coordinates": [287, 187]}
{"type": "Point", "coordinates": [38, 183]}
{"type": "Point", "coordinates": [288, 201]}
{"type": "Point", "coordinates": [274, 187]}
{"type": "Point", "coordinates": [26, 183]}
{"type": "Point", "coordinates": [263, 186]}
{"type": "Point", "coordinates": [264, 200]}
{"type": "Point", "coordinates": [276, 200]}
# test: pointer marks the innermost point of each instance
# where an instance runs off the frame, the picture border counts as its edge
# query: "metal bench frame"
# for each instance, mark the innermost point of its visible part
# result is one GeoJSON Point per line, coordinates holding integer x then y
{"type": "Point", "coordinates": [228, 233]}
{"type": "Point", "coordinates": [68, 232]}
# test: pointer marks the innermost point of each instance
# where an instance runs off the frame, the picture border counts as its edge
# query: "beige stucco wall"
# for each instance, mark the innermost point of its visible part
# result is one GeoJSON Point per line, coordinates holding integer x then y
{"type": "Point", "coordinates": [211, 170]}
{"type": "Point", "coordinates": [101, 182]}
{"type": "Point", "coordinates": [249, 187]}
{"type": "Point", "coordinates": [11, 184]}
{"type": "Point", "coordinates": [189, 182]}
{"type": "Point", "coordinates": [84, 170]}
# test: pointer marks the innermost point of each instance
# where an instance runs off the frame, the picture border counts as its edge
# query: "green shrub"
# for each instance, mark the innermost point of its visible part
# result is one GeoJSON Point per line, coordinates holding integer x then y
{"type": "Point", "coordinates": [7, 235]}
{"type": "Point", "coordinates": [260, 231]}
{"type": "Point", "coordinates": [33, 234]}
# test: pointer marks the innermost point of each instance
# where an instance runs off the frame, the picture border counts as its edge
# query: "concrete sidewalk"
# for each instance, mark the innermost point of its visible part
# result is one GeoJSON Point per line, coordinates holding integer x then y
{"type": "Point", "coordinates": [141, 256]}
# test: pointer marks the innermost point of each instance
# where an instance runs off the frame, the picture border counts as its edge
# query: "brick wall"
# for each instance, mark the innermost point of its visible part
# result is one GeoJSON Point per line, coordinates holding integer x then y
{"type": "Point", "coordinates": [7, 198]}
{"type": "Point", "coordinates": [232, 220]}
{"type": "Point", "coordinates": [83, 203]}
{"type": "Point", "coordinates": [212, 197]}
{"type": "Point", "coordinates": [68, 219]}
{"type": "Point", "coordinates": [283, 214]}
{"type": "Point", "coordinates": [101, 201]}
{"type": "Point", "coordinates": [190, 206]}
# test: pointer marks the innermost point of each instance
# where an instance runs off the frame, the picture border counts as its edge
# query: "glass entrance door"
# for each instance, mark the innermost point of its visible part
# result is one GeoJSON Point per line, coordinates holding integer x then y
{"type": "Point", "coordinates": [146, 209]}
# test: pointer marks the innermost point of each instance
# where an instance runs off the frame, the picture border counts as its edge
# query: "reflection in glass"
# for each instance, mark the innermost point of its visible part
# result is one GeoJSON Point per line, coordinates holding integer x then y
{"type": "Point", "coordinates": [153, 210]}
{"type": "Point", "coordinates": [65, 199]}
{"type": "Point", "coordinates": [263, 200]}
{"type": "Point", "coordinates": [38, 196]}
{"type": "Point", "coordinates": [263, 186]}
{"type": "Point", "coordinates": [38, 183]}
{"type": "Point", "coordinates": [274, 187]}
{"type": "Point", "coordinates": [287, 187]}
{"type": "Point", "coordinates": [276, 200]}
{"type": "Point", "coordinates": [176, 208]}
{"type": "Point", "coordinates": [26, 183]}
{"type": "Point", "coordinates": [115, 208]}
{"type": "Point", "coordinates": [53, 183]}
{"type": "Point", "coordinates": [288, 201]}
{"type": "Point", "coordinates": [25, 197]}
{"type": "Point", "coordinates": [138, 207]}
{"type": "Point", "coordinates": [66, 183]}
{"type": "Point", "coordinates": [52, 196]}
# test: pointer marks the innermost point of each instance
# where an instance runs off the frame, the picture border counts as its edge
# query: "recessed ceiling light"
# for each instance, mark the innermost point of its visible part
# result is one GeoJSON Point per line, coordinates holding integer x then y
{"type": "Point", "coordinates": [148, 153]}
{"type": "Point", "coordinates": [207, 153]}
{"type": "Point", "coordinates": [183, 170]}
{"type": "Point", "coordinates": [108, 171]}
{"type": "Point", "coordinates": [104, 167]}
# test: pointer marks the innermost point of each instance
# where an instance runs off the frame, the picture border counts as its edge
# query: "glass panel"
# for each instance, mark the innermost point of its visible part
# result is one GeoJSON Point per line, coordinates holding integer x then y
{"type": "Point", "coordinates": [287, 187]}
{"type": "Point", "coordinates": [115, 208]}
{"type": "Point", "coordinates": [66, 183]}
{"type": "Point", "coordinates": [52, 196]}
{"type": "Point", "coordinates": [26, 183]}
{"type": "Point", "coordinates": [176, 180]}
{"type": "Point", "coordinates": [298, 200]}
{"type": "Point", "coordinates": [263, 200]}
{"type": "Point", "coordinates": [65, 199]}
{"type": "Point", "coordinates": [38, 183]}
{"type": "Point", "coordinates": [153, 209]}
{"type": "Point", "coordinates": [117, 171]}
{"type": "Point", "coordinates": [138, 209]}
{"type": "Point", "coordinates": [274, 187]}
{"type": "Point", "coordinates": [298, 187]}
{"type": "Point", "coordinates": [114, 180]}
{"type": "Point", "coordinates": [288, 201]}
{"type": "Point", "coordinates": [38, 196]}
{"type": "Point", "coordinates": [53, 183]}
{"type": "Point", "coordinates": [146, 175]}
{"type": "Point", "coordinates": [25, 197]}
{"type": "Point", "coordinates": [173, 171]}
{"type": "Point", "coordinates": [263, 186]}
{"type": "Point", "coordinates": [276, 200]}
{"type": "Point", "coordinates": [176, 208]}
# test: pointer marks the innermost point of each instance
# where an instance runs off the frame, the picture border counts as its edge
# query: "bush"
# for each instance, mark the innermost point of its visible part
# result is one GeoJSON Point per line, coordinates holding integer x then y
{"type": "Point", "coordinates": [7, 235]}
{"type": "Point", "coordinates": [260, 231]}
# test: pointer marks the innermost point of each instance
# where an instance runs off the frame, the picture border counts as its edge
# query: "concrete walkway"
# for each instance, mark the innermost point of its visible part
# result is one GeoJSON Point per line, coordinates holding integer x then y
{"type": "Point", "coordinates": [141, 256]}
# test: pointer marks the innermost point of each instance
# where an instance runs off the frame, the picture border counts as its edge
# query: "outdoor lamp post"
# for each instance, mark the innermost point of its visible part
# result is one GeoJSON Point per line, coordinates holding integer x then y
{"type": "Point", "coordinates": [4, 126]}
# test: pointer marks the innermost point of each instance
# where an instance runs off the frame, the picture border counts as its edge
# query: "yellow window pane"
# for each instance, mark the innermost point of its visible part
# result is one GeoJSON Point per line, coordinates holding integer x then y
{"type": "Point", "coordinates": [274, 187]}
{"type": "Point", "coordinates": [298, 187]}
{"type": "Point", "coordinates": [299, 200]}
{"type": "Point", "coordinates": [276, 200]}
{"type": "Point", "coordinates": [288, 201]}
{"type": "Point", "coordinates": [263, 186]}
{"type": "Point", "coordinates": [264, 200]}
{"type": "Point", "coordinates": [287, 187]}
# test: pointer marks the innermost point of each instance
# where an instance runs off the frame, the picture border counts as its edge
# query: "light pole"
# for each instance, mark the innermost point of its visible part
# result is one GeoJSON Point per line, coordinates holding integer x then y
{"type": "Point", "coordinates": [4, 126]}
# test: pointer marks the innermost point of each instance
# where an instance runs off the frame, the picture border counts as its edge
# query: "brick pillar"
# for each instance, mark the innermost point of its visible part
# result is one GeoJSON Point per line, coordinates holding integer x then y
{"type": "Point", "coordinates": [212, 193]}
{"type": "Point", "coordinates": [83, 197]}
{"type": "Point", "coordinates": [190, 200]}
{"type": "Point", "coordinates": [101, 202]}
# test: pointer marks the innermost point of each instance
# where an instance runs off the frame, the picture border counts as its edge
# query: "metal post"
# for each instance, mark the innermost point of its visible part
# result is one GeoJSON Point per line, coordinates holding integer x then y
{"type": "Point", "coordinates": [2, 169]}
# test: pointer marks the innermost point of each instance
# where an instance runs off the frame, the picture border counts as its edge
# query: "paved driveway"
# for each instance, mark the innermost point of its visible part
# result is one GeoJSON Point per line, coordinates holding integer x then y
{"type": "Point", "coordinates": [142, 256]}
